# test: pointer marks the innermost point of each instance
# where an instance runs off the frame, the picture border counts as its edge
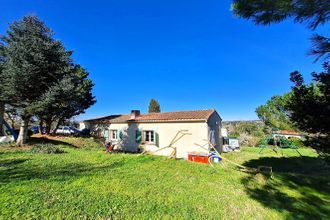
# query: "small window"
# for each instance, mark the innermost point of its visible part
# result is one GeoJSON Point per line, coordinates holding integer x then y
{"type": "Point", "coordinates": [149, 136]}
{"type": "Point", "coordinates": [114, 134]}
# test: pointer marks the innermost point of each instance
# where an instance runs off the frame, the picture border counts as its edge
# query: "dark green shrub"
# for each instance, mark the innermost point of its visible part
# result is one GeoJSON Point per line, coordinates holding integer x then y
{"type": "Point", "coordinates": [46, 149]}
{"type": "Point", "coordinates": [297, 142]}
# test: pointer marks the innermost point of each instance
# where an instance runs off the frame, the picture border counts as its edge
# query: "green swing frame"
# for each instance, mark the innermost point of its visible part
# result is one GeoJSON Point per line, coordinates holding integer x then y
{"type": "Point", "coordinates": [284, 143]}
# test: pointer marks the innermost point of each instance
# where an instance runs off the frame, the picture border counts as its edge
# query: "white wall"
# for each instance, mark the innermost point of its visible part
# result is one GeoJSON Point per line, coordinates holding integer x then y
{"type": "Point", "coordinates": [166, 132]}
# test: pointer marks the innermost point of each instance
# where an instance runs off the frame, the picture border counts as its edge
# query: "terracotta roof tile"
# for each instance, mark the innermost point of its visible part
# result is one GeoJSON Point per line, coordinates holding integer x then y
{"type": "Point", "coordinates": [200, 115]}
{"type": "Point", "coordinates": [287, 132]}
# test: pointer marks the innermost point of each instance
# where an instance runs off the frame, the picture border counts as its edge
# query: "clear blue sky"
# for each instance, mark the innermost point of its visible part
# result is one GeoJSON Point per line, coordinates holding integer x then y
{"type": "Point", "coordinates": [187, 54]}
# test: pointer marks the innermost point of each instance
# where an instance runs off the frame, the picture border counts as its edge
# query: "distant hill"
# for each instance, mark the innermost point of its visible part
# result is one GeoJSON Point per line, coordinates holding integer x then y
{"type": "Point", "coordinates": [259, 122]}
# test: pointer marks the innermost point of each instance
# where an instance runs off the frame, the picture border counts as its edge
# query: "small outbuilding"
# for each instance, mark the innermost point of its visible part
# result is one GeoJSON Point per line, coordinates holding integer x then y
{"type": "Point", "coordinates": [287, 134]}
{"type": "Point", "coordinates": [153, 132]}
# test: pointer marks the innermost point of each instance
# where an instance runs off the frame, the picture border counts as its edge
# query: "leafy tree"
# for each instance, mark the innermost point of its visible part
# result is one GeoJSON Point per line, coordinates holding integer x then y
{"type": "Point", "coordinates": [33, 62]}
{"type": "Point", "coordinates": [311, 12]}
{"type": "Point", "coordinates": [274, 113]}
{"type": "Point", "coordinates": [154, 106]}
{"type": "Point", "coordinates": [310, 106]}
{"type": "Point", "coordinates": [248, 132]}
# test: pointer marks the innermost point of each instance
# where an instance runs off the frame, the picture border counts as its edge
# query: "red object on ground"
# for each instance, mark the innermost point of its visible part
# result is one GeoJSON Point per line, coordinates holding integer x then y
{"type": "Point", "coordinates": [198, 157]}
{"type": "Point", "coordinates": [110, 148]}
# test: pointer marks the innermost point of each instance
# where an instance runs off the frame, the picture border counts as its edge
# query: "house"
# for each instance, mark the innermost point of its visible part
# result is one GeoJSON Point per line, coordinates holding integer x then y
{"type": "Point", "coordinates": [154, 131]}
{"type": "Point", "coordinates": [286, 134]}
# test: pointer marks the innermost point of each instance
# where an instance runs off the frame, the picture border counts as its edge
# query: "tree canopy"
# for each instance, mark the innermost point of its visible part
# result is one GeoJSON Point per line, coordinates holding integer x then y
{"type": "Point", "coordinates": [274, 113]}
{"type": "Point", "coordinates": [154, 106]}
{"type": "Point", "coordinates": [311, 101]}
{"type": "Point", "coordinates": [310, 105]}
{"type": "Point", "coordinates": [39, 77]}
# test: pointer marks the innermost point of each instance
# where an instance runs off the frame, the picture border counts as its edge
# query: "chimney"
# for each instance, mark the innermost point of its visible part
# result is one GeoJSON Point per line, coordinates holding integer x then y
{"type": "Point", "coordinates": [135, 114]}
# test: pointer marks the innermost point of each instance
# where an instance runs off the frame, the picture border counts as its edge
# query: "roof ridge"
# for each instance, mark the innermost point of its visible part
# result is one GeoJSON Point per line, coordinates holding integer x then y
{"type": "Point", "coordinates": [202, 114]}
{"type": "Point", "coordinates": [180, 111]}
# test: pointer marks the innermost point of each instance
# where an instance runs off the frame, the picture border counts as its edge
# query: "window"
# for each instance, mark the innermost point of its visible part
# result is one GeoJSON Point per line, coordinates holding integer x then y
{"type": "Point", "coordinates": [113, 134]}
{"type": "Point", "coordinates": [149, 136]}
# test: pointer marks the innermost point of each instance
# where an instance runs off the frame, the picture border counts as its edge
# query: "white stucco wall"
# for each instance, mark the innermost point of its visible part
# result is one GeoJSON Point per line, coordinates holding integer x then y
{"type": "Point", "coordinates": [165, 134]}
{"type": "Point", "coordinates": [83, 125]}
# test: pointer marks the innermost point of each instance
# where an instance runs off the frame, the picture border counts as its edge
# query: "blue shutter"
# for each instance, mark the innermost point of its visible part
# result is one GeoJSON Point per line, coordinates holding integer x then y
{"type": "Point", "coordinates": [120, 135]}
{"type": "Point", "coordinates": [106, 135]}
{"type": "Point", "coordinates": [156, 136]}
{"type": "Point", "coordinates": [138, 136]}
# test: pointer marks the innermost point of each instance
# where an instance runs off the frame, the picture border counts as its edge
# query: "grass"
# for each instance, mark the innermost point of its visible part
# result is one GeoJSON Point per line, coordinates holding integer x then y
{"type": "Point", "coordinates": [87, 183]}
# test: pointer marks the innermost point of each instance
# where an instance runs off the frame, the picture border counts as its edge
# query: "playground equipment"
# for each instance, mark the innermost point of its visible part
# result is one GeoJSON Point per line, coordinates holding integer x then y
{"type": "Point", "coordinates": [215, 152]}
{"type": "Point", "coordinates": [277, 143]}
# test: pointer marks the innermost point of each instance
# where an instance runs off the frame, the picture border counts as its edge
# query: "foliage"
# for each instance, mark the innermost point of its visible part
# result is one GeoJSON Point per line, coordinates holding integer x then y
{"type": "Point", "coordinates": [154, 106]}
{"type": "Point", "coordinates": [297, 142]}
{"type": "Point", "coordinates": [2, 101]}
{"type": "Point", "coordinates": [69, 97]}
{"type": "Point", "coordinates": [274, 113]}
{"type": "Point", "coordinates": [39, 77]}
{"type": "Point", "coordinates": [46, 149]}
{"type": "Point", "coordinates": [33, 61]}
{"type": "Point", "coordinates": [320, 47]}
{"type": "Point", "coordinates": [95, 185]}
{"type": "Point", "coordinates": [84, 142]}
{"type": "Point", "coordinates": [265, 12]}
{"type": "Point", "coordinates": [250, 140]}
{"type": "Point", "coordinates": [310, 105]}
{"type": "Point", "coordinates": [248, 132]}
{"type": "Point", "coordinates": [7, 144]}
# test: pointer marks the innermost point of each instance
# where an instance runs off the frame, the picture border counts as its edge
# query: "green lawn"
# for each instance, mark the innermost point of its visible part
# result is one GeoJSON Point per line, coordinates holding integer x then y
{"type": "Point", "coordinates": [87, 183]}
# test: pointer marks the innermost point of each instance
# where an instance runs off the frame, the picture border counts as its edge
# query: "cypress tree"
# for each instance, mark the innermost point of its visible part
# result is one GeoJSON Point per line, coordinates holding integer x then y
{"type": "Point", "coordinates": [154, 106]}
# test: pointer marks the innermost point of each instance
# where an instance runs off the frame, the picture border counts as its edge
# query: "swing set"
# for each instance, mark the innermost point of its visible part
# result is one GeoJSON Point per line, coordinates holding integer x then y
{"type": "Point", "coordinates": [277, 144]}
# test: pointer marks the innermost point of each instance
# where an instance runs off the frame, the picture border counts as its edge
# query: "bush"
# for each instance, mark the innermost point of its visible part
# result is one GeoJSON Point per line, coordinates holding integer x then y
{"type": "Point", "coordinates": [84, 142]}
{"type": "Point", "coordinates": [297, 142]}
{"type": "Point", "coordinates": [249, 140]}
{"type": "Point", "coordinates": [46, 149]}
{"type": "Point", "coordinates": [7, 144]}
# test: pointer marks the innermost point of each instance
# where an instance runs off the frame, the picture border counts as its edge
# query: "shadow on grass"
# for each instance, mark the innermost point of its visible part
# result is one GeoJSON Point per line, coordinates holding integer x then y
{"type": "Point", "coordinates": [11, 162]}
{"type": "Point", "coordinates": [300, 187]}
{"type": "Point", "coordinates": [43, 140]}
{"type": "Point", "coordinates": [15, 170]}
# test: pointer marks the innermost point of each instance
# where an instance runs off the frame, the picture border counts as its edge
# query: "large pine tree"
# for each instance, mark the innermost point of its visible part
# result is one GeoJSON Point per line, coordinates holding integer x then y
{"type": "Point", "coordinates": [33, 62]}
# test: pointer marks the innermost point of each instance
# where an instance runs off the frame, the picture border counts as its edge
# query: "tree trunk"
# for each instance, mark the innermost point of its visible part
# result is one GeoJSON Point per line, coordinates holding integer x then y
{"type": "Point", "coordinates": [2, 112]}
{"type": "Point", "coordinates": [48, 126]}
{"type": "Point", "coordinates": [22, 136]}
{"type": "Point", "coordinates": [41, 123]}
{"type": "Point", "coordinates": [59, 122]}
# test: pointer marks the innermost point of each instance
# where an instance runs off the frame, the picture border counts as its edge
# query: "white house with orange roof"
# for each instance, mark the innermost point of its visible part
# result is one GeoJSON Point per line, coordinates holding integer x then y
{"type": "Point", "coordinates": [154, 131]}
